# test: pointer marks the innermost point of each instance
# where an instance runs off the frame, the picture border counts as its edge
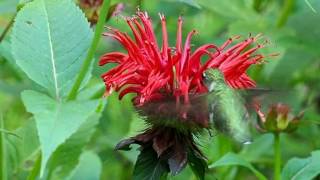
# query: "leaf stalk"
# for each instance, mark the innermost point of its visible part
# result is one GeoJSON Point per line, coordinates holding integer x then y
{"type": "Point", "coordinates": [89, 58]}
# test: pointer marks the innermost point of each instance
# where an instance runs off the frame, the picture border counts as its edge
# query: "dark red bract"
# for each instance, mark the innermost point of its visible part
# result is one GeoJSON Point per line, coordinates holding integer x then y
{"type": "Point", "coordinates": [154, 72]}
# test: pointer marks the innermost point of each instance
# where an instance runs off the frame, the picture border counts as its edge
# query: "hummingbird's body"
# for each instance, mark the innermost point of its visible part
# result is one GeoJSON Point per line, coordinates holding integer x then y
{"type": "Point", "coordinates": [227, 109]}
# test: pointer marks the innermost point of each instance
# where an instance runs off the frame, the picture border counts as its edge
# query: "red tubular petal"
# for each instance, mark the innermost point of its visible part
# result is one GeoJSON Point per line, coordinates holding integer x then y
{"type": "Point", "coordinates": [164, 37]}
{"type": "Point", "coordinates": [234, 58]}
{"type": "Point", "coordinates": [146, 21]}
{"type": "Point", "coordinates": [186, 51]}
{"type": "Point", "coordinates": [143, 34]}
{"type": "Point", "coordinates": [179, 35]}
{"type": "Point", "coordinates": [156, 55]}
{"type": "Point", "coordinates": [131, 89]}
{"type": "Point", "coordinates": [135, 33]}
{"type": "Point", "coordinates": [113, 57]}
{"type": "Point", "coordinates": [195, 59]}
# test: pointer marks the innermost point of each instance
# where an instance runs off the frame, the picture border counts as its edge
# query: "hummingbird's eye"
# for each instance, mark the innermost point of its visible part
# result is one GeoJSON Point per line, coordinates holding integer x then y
{"type": "Point", "coordinates": [204, 76]}
{"type": "Point", "coordinates": [173, 50]}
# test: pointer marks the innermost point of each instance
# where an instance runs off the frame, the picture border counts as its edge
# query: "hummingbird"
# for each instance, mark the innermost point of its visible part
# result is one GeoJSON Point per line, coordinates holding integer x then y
{"type": "Point", "coordinates": [227, 110]}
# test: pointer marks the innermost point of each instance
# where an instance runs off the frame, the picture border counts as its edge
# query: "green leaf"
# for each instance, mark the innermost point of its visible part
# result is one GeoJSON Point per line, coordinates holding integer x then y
{"type": "Point", "coordinates": [231, 159]}
{"type": "Point", "coordinates": [5, 51]}
{"type": "Point", "coordinates": [50, 40]}
{"type": "Point", "coordinates": [23, 147]}
{"type": "Point", "coordinates": [298, 168]}
{"type": "Point", "coordinates": [66, 157]}
{"type": "Point", "coordinates": [257, 149]}
{"type": "Point", "coordinates": [4, 131]}
{"type": "Point", "coordinates": [149, 166]}
{"type": "Point", "coordinates": [36, 169]}
{"type": "Point", "coordinates": [56, 121]}
{"type": "Point", "coordinates": [82, 172]}
{"type": "Point", "coordinates": [198, 164]}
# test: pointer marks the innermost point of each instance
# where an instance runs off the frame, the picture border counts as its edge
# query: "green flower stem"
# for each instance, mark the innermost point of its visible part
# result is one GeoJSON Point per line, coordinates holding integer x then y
{"type": "Point", "coordinates": [3, 169]}
{"type": "Point", "coordinates": [277, 157]}
{"type": "Point", "coordinates": [286, 10]}
{"type": "Point", "coordinates": [98, 94]}
{"type": "Point", "coordinates": [86, 64]}
{"type": "Point", "coordinates": [36, 169]}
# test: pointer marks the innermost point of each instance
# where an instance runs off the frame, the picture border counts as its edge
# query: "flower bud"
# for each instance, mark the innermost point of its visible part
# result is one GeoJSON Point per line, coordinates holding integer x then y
{"type": "Point", "coordinates": [278, 119]}
{"type": "Point", "coordinates": [91, 9]}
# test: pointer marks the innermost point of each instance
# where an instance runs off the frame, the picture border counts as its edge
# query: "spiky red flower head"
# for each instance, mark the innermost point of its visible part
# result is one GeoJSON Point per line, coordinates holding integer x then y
{"type": "Point", "coordinates": [155, 73]}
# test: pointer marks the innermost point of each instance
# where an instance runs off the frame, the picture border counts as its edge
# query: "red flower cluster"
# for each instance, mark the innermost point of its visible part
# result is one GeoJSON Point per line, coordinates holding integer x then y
{"type": "Point", "coordinates": [154, 72]}
{"type": "Point", "coordinates": [167, 81]}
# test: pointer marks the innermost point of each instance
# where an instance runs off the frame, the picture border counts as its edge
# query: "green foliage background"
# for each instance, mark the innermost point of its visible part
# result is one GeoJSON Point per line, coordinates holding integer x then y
{"type": "Point", "coordinates": [291, 26]}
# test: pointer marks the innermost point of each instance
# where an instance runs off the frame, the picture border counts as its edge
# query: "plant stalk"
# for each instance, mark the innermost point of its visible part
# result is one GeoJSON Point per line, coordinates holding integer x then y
{"type": "Point", "coordinates": [286, 10]}
{"type": "Point", "coordinates": [86, 64]}
{"type": "Point", "coordinates": [277, 157]}
{"type": "Point", "coordinates": [257, 5]}
{"type": "Point", "coordinates": [36, 169]}
{"type": "Point", "coordinates": [3, 169]}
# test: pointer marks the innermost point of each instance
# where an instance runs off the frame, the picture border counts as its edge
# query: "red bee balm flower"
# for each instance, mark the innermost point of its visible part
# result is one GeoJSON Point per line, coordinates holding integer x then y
{"type": "Point", "coordinates": [162, 76]}
{"type": "Point", "coordinates": [153, 73]}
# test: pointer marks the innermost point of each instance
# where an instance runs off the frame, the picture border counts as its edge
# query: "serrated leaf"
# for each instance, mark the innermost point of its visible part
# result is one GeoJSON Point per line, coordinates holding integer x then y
{"type": "Point", "coordinates": [298, 168]}
{"type": "Point", "coordinates": [56, 121]}
{"type": "Point", "coordinates": [82, 172]}
{"type": "Point", "coordinates": [50, 39]}
{"type": "Point", "coordinates": [149, 166]}
{"type": "Point", "coordinates": [231, 159]}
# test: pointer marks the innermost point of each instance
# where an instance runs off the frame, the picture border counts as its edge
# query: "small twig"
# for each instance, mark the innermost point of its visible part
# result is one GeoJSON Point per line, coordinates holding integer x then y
{"type": "Point", "coordinates": [6, 30]}
{"type": "Point", "coordinates": [310, 6]}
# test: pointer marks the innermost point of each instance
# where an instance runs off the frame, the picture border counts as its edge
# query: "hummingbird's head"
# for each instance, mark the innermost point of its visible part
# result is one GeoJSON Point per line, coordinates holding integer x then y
{"type": "Point", "coordinates": [212, 77]}
{"type": "Point", "coordinates": [214, 74]}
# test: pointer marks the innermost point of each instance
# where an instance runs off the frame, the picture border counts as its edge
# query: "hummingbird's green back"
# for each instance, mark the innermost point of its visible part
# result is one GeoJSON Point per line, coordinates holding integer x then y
{"type": "Point", "coordinates": [228, 112]}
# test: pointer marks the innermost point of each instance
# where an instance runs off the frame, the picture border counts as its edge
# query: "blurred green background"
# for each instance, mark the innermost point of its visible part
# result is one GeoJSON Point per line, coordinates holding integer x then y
{"type": "Point", "coordinates": [291, 26]}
